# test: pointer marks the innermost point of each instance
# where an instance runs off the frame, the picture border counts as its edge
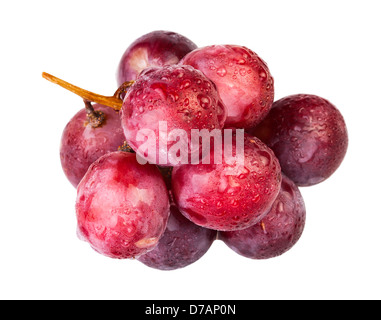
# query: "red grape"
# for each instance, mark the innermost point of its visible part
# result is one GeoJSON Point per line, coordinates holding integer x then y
{"type": "Point", "coordinates": [82, 144]}
{"type": "Point", "coordinates": [179, 96]}
{"type": "Point", "coordinates": [242, 78]}
{"type": "Point", "coordinates": [229, 196]}
{"type": "Point", "coordinates": [155, 49]}
{"type": "Point", "coordinates": [277, 232]}
{"type": "Point", "coordinates": [122, 206]}
{"type": "Point", "coordinates": [182, 244]}
{"type": "Point", "coordinates": [308, 135]}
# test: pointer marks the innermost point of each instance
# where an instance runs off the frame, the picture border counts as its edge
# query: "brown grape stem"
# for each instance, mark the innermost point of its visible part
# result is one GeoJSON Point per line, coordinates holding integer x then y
{"type": "Point", "coordinates": [95, 118]}
{"type": "Point", "coordinates": [123, 89]}
{"type": "Point", "coordinates": [126, 148]}
{"type": "Point", "coordinates": [114, 101]}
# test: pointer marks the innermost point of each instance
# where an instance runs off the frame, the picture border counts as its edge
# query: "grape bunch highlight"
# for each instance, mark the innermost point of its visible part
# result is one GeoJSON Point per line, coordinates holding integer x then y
{"type": "Point", "coordinates": [191, 149]}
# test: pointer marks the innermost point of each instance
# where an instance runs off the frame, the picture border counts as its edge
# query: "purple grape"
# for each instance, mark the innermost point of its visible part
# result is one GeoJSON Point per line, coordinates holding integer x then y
{"type": "Point", "coordinates": [155, 49]}
{"type": "Point", "coordinates": [277, 232]}
{"type": "Point", "coordinates": [182, 244]}
{"type": "Point", "coordinates": [308, 135]}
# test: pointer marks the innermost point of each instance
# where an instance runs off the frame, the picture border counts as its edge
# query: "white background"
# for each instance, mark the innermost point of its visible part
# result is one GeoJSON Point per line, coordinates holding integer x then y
{"type": "Point", "coordinates": [329, 48]}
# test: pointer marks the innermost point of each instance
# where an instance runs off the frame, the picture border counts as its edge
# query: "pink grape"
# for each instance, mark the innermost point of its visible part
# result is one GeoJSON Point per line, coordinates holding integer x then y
{"type": "Point", "coordinates": [122, 207]}
{"type": "Point", "coordinates": [182, 244]}
{"type": "Point", "coordinates": [155, 49]}
{"type": "Point", "coordinates": [229, 196]}
{"type": "Point", "coordinates": [308, 135]}
{"type": "Point", "coordinates": [179, 96]}
{"type": "Point", "coordinates": [277, 232]}
{"type": "Point", "coordinates": [242, 78]}
{"type": "Point", "coordinates": [82, 144]}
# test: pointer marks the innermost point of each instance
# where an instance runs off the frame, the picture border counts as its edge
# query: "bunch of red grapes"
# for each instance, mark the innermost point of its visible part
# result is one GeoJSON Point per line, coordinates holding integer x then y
{"type": "Point", "coordinates": [136, 200]}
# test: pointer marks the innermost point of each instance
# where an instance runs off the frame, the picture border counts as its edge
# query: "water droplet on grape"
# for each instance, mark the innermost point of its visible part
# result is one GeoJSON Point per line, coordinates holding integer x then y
{"type": "Point", "coordinates": [264, 157]}
{"type": "Point", "coordinates": [234, 203]}
{"type": "Point", "coordinates": [160, 91]}
{"type": "Point", "coordinates": [221, 71]}
{"type": "Point", "coordinates": [263, 76]}
{"type": "Point", "coordinates": [185, 84]}
{"type": "Point", "coordinates": [185, 111]}
{"type": "Point", "coordinates": [173, 96]}
{"type": "Point", "coordinates": [204, 101]}
{"type": "Point", "coordinates": [256, 198]}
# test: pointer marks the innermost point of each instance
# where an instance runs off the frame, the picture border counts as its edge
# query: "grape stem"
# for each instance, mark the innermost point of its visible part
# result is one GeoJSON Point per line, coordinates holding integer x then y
{"type": "Point", "coordinates": [114, 101]}
{"type": "Point", "coordinates": [95, 118]}
{"type": "Point", "coordinates": [126, 148]}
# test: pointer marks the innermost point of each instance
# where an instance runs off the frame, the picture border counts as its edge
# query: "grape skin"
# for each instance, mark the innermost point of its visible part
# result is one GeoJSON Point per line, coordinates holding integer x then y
{"type": "Point", "coordinates": [180, 96]}
{"type": "Point", "coordinates": [81, 144]}
{"type": "Point", "coordinates": [229, 196]}
{"type": "Point", "coordinates": [308, 135]}
{"type": "Point", "coordinates": [277, 232]}
{"type": "Point", "coordinates": [155, 49]}
{"type": "Point", "coordinates": [242, 78]}
{"type": "Point", "coordinates": [122, 207]}
{"type": "Point", "coordinates": [182, 244]}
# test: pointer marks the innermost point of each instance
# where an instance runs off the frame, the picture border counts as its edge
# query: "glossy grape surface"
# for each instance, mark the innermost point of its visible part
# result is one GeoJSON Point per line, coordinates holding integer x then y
{"type": "Point", "coordinates": [277, 232]}
{"type": "Point", "coordinates": [182, 244]}
{"type": "Point", "coordinates": [242, 78]}
{"type": "Point", "coordinates": [181, 98]}
{"type": "Point", "coordinates": [81, 144]}
{"type": "Point", "coordinates": [155, 49]}
{"type": "Point", "coordinates": [122, 207]}
{"type": "Point", "coordinates": [308, 135]}
{"type": "Point", "coordinates": [229, 196]}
